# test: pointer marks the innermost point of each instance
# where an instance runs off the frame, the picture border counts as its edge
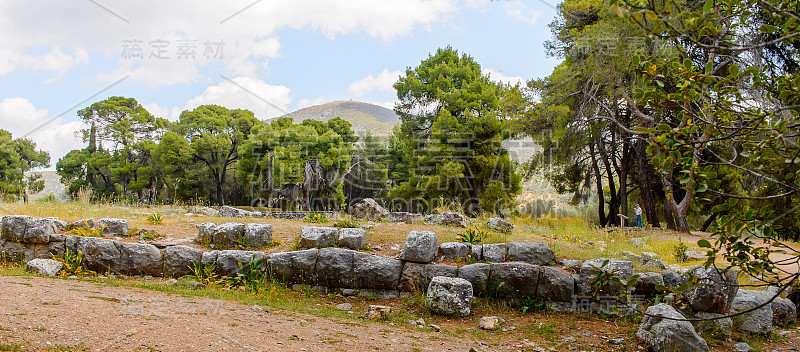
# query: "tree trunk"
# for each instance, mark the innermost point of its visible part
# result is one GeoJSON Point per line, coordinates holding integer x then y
{"type": "Point", "coordinates": [648, 201]}
{"type": "Point", "coordinates": [613, 204]}
{"type": "Point", "coordinates": [599, 182]}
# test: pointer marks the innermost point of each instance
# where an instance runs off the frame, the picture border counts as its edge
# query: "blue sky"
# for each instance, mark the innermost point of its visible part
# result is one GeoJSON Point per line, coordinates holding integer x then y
{"type": "Point", "coordinates": [268, 56]}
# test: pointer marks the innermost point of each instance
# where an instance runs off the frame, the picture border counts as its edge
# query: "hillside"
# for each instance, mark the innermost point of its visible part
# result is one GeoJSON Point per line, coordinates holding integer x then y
{"type": "Point", "coordinates": [364, 116]}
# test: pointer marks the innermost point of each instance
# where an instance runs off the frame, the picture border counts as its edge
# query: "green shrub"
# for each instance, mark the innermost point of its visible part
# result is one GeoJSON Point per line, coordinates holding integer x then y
{"type": "Point", "coordinates": [315, 217]}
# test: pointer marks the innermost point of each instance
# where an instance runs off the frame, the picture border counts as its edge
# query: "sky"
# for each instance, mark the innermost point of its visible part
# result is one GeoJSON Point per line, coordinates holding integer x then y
{"type": "Point", "coordinates": [268, 56]}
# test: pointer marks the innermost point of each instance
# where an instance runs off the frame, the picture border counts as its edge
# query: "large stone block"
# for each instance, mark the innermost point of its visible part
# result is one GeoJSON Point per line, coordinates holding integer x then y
{"type": "Point", "coordinates": [449, 296]}
{"type": "Point", "coordinates": [499, 224]}
{"type": "Point", "coordinates": [138, 259]}
{"type": "Point", "coordinates": [647, 284]}
{"type": "Point", "coordinates": [513, 280]}
{"type": "Point", "coordinates": [293, 267]}
{"type": "Point", "coordinates": [178, 260]}
{"type": "Point", "coordinates": [100, 254]}
{"type": "Point", "coordinates": [495, 252]}
{"type": "Point", "coordinates": [258, 235]}
{"type": "Point", "coordinates": [477, 274]}
{"type": "Point", "coordinates": [231, 212]}
{"type": "Point", "coordinates": [27, 229]}
{"type": "Point", "coordinates": [376, 272]}
{"type": "Point", "coordinates": [454, 250]}
{"type": "Point", "coordinates": [673, 334]}
{"type": "Point", "coordinates": [334, 267]}
{"type": "Point", "coordinates": [369, 209]}
{"type": "Point", "coordinates": [622, 268]}
{"type": "Point", "coordinates": [531, 252]}
{"type": "Point", "coordinates": [715, 290]}
{"type": "Point", "coordinates": [416, 276]}
{"type": "Point", "coordinates": [227, 234]}
{"type": "Point", "coordinates": [757, 321]}
{"type": "Point", "coordinates": [228, 261]}
{"type": "Point", "coordinates": [420, 247]}
{"type": "Point", "coordinates": [318, 237]}
{"type": "Point", "coordinates": [47, 267]}
{"type": "Point", "coordinates": [555, 285]}
{"type": "Point", "coordinates": [353, 238]}
{"type": "Point", "coordinates": [113, 227]}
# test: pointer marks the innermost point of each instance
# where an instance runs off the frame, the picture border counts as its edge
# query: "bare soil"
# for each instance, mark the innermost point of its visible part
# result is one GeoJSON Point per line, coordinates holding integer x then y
{"type": "Point", "coordinates": [41, 314]}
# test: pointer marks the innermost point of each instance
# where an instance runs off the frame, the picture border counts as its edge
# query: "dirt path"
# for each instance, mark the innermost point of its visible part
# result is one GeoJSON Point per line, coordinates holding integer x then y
{"type": "Point", "coordinates": [53, 314]}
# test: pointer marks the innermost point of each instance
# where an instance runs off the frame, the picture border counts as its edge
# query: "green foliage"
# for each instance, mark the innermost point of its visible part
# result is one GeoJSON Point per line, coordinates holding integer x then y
{"type": "Point", "coordinates": [203, 273]}
{"type": "Point", "coordinates": [449, 142]}
{"type": "Point", "coordinates": [679, 251]}
{"type": "Point", "coordinates": [17, 157]}
{"type": "Point", "coordinates": [253, 277]}
{"type": "Point", "coordinates": [315, 217]}
{"type": "Point", "coordinates": [473, 235]}
{"type": "Point", "coordinates": [603, 279]}
{"type": "Point", "coordinates": [345, 222]}
{"type": "Point", "coordinates": [155, 219]}
{"type": "Point", "coordinates": [87, 231]}
{"type": "Point", "coordinates": [73, 264]}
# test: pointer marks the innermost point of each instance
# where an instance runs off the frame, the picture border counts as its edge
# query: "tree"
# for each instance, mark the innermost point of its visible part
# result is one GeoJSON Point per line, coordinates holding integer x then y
{"type": "Point", "coordinates": [728, 97]}
{"type": "Point", "coordinates": [17, 157]}
{"type": "Point", "coordinates": [571, 112]}
{"type": "Point", "coordinates": [215, 134]}
{"type": "Point", "coordinates": [452, 126]}
{"type": "Point", "coordinates": [288, 164]}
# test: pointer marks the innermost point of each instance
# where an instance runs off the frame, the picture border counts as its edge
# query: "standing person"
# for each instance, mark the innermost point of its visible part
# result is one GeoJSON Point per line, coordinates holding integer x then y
{"type": "Point", "coordinates": [638, 211]}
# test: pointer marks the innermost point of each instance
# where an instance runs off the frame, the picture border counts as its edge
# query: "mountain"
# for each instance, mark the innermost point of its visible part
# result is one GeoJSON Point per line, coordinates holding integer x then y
{"type": "Point", "coordinates": [363, 116]}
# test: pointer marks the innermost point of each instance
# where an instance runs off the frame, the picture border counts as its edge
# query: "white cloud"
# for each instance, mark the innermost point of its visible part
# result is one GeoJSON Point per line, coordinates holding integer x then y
{"type": "Point", "coordinates": [20, 117]}
{"type": "Point", "coordinates": [383, 82]}
{"type": "Point", "coordinates": [71, 31]}
{"type": "Point", "coordinates": [522, 12]}
{"type": "Point", "coordinates": [264, 100]}
{"type": "Point", "coordinates": [497, 76]}
{"type": "Point", "coordinates": [156, 110]}
{"type": "Point", "coordinates": [305, 102]}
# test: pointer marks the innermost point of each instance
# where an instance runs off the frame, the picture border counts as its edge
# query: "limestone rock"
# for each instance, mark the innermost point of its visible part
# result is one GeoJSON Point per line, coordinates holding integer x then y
{"type": "Point", "coordinates": [531, 252]}
{"type": "Point", "coordinates": [334, 267]}
{"type": "Point", "coordinates": [420, 247]}
{"type": "Point", "coordinates": [231, 212]}
{"type": "Point", "coordinates": [454, 250]}
{"type": "Point", "coordinates": [113, 227]}
{"type": "Point", "coordinates": [228, 261]}
{"type": "Point", "coordinates": [713, 325]}
{"type": "Point", "coordinates": [448, 218]}
{"type": "Point", "coordinates": [227, 234]}
{"type": "Point", "coordinates": [449, 296]}
{"type": "Point", "coordinates": [495, 252]}
{"type": "Point", "coordinates": [623, 268]}
{"type": "Point", "coordinates": [293, 267]}
{"type": "Point", "coordinates": [758, 321]}
{"type": "Point", "coordinates": [515, 279]}
{"type": "Point", "coordinates": [477, 274]}
{"type": "Point", "coordinates": [669, 335]}
{"type": "Point", "coordinates": [318, 237]}
{"type": "Point", "coordinates": [353, 238]}
{"type": "Point", "coordinates": [416, 276]}
{"type": "Point", "coordinates": [489, 323]}
{"type": "Point", "coordinates": [555, 285]}
{"type": "Point", "coordinates": [47, 267]}
{"type": "Point", "coordinates": [369, 209]}
{"type": "Point", "coordinates": [100, 254]}
{"type": "Point", "coordinates": [715, 291]}
{"type": "Point", "coordinates": [376, 271]}
{"type": "Point", "coordinates": [695, 254]}
{"type": "Point", "coordinates": [646, 285]}
{"type": "Point", "coordinates": [406, 217]}
{"type": "Point", "coordinates": [138, 259]}
{"type": "Point", "coordinates": [499, 224]}
{"type": "Point", "coordinates": [258, 235]}
{"type": "Point", "coordinates": [179, 259]}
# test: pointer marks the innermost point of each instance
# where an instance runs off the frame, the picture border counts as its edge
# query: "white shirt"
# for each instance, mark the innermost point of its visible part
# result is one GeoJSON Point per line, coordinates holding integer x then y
{"type": "Point", "coordinates": [638, 210]}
